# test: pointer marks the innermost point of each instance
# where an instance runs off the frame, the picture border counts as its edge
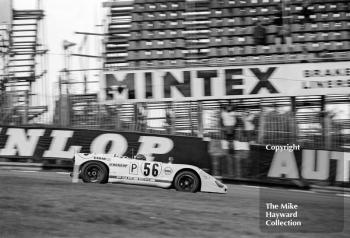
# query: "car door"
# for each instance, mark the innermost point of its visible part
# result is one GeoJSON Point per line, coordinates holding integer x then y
{"type": "Point", "coordinates": [135, 171]}
{"type": "Point", "coordinates": [149, 173]}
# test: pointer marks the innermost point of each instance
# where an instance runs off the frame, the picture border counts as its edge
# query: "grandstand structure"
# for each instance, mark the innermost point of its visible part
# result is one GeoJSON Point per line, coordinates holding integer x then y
{"type": "Point", "coordinates": [182, 33]}
{"type": "Point", "coordinates": [182, 37]}
{"type": "Point", "coordinates": [155, 35]}
{"type": "Point", "coordinates": [22, 73]}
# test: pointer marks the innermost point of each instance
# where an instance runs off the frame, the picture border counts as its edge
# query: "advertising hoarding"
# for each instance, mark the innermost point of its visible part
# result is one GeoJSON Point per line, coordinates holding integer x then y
{"type": "Point", "coordinates": [322, 78]}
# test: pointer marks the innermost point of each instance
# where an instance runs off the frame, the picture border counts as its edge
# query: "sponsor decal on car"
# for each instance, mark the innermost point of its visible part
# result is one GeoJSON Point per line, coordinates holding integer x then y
{"type": "Point", "coordinates": [139, 179]}
{"type": "Point", "coordinates": [118, 165]}
{"type": "Point", "coordinates": [133, 169]}
{"type": "Point", "coordinates": [131, 178]}
{"type": "Point", "coordinates": [101, 158]}
{"type": "Point", "coordinates": [168, 171]}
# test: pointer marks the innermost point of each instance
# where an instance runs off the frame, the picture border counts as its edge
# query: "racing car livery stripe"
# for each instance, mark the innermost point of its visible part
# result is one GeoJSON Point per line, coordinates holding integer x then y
{"type": "Point", "coordinates": [163, 181]}
{"type": "Point", "coordinates": [140, 179]}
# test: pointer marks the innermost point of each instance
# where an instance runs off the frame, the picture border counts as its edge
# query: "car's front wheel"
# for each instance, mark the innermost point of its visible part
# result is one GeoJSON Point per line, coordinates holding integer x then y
{"type": "Point", "coordinates": [187, 181]}
{"type": "Point", "coordinates": [94, 172]}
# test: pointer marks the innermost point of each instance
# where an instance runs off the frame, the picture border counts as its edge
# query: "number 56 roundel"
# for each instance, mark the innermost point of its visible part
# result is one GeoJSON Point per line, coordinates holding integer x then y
{"type": "Point", "coordinates": [151, 169]}
{"type": "Point", "coordinates": [110, 168]}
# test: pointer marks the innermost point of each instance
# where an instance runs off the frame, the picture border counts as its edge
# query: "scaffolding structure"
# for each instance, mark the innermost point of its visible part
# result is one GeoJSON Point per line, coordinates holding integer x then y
{"type": "Point", "coordinates": [22, 71]}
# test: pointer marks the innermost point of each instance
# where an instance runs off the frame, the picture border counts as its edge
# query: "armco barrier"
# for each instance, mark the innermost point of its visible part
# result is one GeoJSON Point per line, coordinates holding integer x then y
{"type": "Point", "coordinates": [56, 146]}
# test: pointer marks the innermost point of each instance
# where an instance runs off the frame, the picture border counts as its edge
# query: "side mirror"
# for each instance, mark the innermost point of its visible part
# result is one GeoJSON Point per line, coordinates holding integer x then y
{"type": "Point", "coordinates": [171, 160]}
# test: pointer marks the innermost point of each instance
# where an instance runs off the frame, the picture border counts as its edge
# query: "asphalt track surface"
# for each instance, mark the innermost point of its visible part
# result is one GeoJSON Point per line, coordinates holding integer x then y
{"type": "Point", "coordinates": [47, 204]}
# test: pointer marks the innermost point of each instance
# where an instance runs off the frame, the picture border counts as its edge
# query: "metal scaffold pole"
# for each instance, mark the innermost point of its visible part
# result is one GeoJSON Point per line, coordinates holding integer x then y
{"type": "Point", "coordinates": [26, 107]}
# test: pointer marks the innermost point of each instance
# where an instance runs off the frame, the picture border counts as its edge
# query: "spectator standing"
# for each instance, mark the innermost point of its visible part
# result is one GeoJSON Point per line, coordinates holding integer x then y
{"type": "Point", "coordinates": [228, 118]}
{"type": "Point", "coordinates": [305, 55]}
{"type": "Point", "coordinates": [249, 127]}
{"type": "Point", "coordinates": [259, 34]}
{"type": "Point", "coordinates": [217, 154]}
{"type": "Point", "coordinates": [142, 116]}
{"type": "Point", "coordinates": [229, 122]}
{"type": "Point", "coordinates": [327, 122]}
{"type": "Point", "coordinates": [325, 53]}
{"type": "Point", "coordinates": [240, 157]}
{"type": "Point", "coordinates": [169, 120]}
{"type": "Point", "coordinates": [119, 99]}
{"type": "Point", "coordinates": [284, 36]}
{"type": "Point", "coordinates": [306, 12]}
{"type": "Point", "coordinates": [278, 21]}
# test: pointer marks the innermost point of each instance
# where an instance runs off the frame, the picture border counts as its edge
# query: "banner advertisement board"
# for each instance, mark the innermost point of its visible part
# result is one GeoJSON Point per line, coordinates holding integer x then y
{"type": "Point", "coordinates": [46, 143]}
{"type": "Point", "coordinates": [305, 164]}
{"type": "Point", "coordinates": [38, 144]}
{"type": "Point", "coordinates": [227, 82]}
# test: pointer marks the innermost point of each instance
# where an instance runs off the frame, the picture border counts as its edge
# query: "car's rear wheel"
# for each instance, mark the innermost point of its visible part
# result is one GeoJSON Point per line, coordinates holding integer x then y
{"type": "Point", "coordinates": [187, 181]}
{"type": "Point", "coordinates": [94, 172]}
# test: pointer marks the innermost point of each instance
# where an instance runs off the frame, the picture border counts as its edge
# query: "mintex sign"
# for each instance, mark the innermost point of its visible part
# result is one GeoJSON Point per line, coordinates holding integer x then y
{"type": "Point", "coordinates": [221, 82]}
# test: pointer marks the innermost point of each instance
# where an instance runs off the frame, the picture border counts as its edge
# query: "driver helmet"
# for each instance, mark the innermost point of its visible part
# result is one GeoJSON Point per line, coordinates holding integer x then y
{"type": "Point", "coordinates": [140, 157]}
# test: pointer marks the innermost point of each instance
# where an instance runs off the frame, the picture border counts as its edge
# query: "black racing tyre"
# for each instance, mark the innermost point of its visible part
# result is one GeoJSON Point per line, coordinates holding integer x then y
{"type": "Point", "coordinates": [94, 172]}
{"type": "Point", "coordinates": [187, 181]}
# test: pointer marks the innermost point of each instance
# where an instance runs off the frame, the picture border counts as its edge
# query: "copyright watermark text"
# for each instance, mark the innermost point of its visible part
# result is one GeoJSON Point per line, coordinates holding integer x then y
{"type": "Point", "coordinates": [287, 147]}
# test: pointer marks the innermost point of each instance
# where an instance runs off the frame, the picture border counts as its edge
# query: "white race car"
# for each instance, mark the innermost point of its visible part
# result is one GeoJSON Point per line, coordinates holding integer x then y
{"type": "Point", "coordinates": [104, 168]}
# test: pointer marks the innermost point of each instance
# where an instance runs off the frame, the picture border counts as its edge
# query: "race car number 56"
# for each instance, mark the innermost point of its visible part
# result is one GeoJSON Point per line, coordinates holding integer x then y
{"type": "Point", "coordinates": [153, 169]}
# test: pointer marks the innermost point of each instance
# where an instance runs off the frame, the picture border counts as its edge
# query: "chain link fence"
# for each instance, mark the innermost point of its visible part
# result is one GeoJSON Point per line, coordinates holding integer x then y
{"type": "Point", "coordinates": [284, 120]}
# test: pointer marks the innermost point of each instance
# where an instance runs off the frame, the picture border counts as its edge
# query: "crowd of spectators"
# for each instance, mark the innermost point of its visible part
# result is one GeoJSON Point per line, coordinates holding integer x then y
{"type": "Point", "coordinates": [282, 22]}
{"type": "Point", "coordinates": [238, 125]}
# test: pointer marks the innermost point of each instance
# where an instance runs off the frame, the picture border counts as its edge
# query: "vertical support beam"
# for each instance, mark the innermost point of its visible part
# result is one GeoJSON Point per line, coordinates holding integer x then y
{"type": "Point", "coordinates": [135, 117]}
{"type": "Point", "coordinates": [67, 102]}
{"type": "Point", "coordinates": [200, 119]}
{"type": "Point", "coordinates": [26, 107]}
{"type": "Point", "coordinates": [293, 120]}
{"type": "Point", "coordinates": [60, 103]}
{"type": "Point", "coordinates": [324, 122]}
{"type": "Point", "coordinates": [261, 125]}
{"type": "Point", "coordinates": [171, 117]}
{"type": "Point", "coordinates": [85, 84]}
{"type": "Point", "coordinates": [117, 116]}
{"type": "Point", "coordinates": [67, 73]}
{"type": "Point", "coordinates": [190, 117]}
{"type": "Point", "coordinates": [99, 113]}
